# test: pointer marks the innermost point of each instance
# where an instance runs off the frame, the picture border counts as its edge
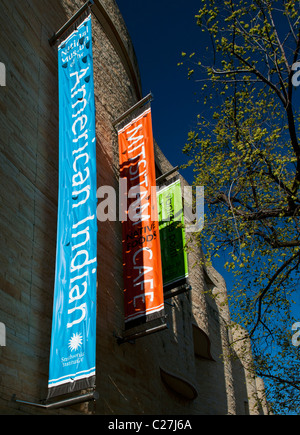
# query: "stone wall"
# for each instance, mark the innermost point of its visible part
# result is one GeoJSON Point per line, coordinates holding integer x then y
{"type": "Point", "coordinates": [182, 370]}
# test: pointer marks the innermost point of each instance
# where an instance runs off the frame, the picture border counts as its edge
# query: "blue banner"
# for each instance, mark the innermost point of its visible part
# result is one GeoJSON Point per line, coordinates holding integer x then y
{"type": "Point", "coordinates": [73, 339]}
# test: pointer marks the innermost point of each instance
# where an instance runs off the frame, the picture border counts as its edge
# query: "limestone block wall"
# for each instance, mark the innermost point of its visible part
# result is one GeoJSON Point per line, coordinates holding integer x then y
{"type": "Point", "coordinates": [212, 373]}
{"type": "Point", "coordinates": [181, 370]}
{"type": "Point", "coordinates": [249, 389]}
{"type": "Point", "coordinates": [29, 174]}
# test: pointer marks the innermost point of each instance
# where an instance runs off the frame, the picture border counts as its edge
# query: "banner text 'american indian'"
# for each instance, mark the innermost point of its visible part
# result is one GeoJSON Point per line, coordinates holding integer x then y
{"type": "Point", "coordinates": [73, 338]}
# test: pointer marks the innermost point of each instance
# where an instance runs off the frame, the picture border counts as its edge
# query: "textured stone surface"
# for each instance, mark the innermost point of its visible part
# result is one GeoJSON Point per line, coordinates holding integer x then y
{"type": "Point", "coordinates": [128, 375]}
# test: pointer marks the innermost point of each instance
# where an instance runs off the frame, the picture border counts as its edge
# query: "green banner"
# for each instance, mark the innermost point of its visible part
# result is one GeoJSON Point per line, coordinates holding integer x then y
{"type": "Point", "coordinates": [172, 236]}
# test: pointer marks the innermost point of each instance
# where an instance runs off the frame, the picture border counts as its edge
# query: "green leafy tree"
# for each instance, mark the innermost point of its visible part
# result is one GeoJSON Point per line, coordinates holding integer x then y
{"type": "Point", "coordinates": [245, 150]}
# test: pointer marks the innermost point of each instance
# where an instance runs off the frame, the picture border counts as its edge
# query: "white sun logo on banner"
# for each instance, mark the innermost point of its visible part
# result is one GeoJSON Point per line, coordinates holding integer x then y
{"type": "Point", "coordinates": [75, 341]}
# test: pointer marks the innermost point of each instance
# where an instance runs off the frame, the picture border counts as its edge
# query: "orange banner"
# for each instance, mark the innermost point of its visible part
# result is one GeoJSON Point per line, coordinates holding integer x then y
{"type": "Point", "coordinates": [143, 285]}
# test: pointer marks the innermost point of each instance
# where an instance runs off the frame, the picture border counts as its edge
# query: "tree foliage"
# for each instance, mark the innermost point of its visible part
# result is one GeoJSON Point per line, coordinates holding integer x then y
{"type": "Point", "coordinates": [245, 150]}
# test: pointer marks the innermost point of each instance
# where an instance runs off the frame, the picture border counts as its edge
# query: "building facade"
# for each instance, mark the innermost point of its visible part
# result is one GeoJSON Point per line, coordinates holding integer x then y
{"type": "Point", "coordinates": [185, 369]}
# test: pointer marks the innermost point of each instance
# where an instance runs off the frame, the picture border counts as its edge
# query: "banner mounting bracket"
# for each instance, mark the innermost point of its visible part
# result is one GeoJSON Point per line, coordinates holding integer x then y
{"type": "Point", "coordinates": [69, 23]}
{"type": "Point", "coordinates": [62, 403]}
{"type": "Point", "coordinates": [140, 103]}
{"type": "Point", "coordinates": [132, 337]}
{"type": "Point", "coordinates": [185, 288]}
{"type": "Point", "coordinates": [166, 174]}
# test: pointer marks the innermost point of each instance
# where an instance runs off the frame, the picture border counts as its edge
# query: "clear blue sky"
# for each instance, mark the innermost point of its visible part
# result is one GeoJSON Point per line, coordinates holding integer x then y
{"type": "Point", "coordinates": [160, 31]}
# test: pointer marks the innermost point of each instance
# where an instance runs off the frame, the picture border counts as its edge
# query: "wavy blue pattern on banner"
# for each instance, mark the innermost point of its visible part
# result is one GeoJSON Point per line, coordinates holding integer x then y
{"type": "Point", "coordinates": [73, 339]}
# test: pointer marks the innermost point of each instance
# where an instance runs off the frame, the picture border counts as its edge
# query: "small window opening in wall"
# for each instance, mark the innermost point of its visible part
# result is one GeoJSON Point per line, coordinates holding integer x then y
{"type": "Point", "coordinates": [178, 385]}
{"type": "Point", "coordinates": [2, 74]}
{"type": "Point", "coordinates": [208, 283]}
{"type": "Point", "coordinates": [201, 343]}
{"type": "Point", "coordinates": [2, 334]}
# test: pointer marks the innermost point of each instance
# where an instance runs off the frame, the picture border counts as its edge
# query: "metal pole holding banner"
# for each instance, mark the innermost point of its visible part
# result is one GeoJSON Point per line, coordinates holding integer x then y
{"type": "Point", "coordinates": [132, 337]}
{"type": "Point", "coordinates": [62, 403]}
{"type": "Point", "coordinates": [140, 103]}
{"type": "Point", "coordinates": [69, 23]}
{"type": "Point", "coordinates": [166, 174]}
